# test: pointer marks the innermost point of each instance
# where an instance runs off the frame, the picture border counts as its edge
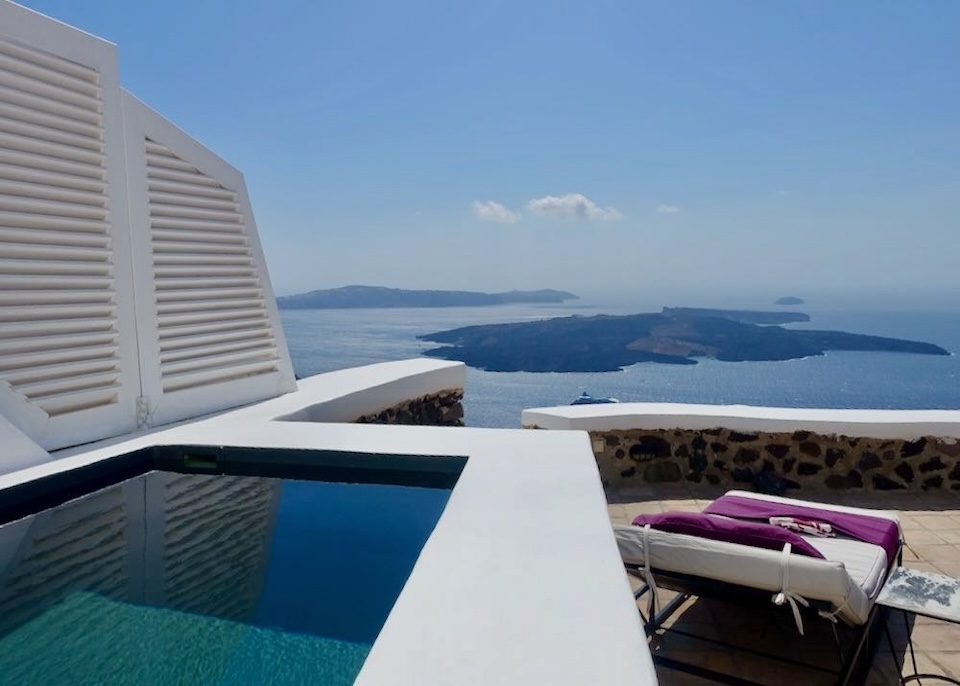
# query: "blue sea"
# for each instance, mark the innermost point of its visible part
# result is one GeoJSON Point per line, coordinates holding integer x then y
{"type": "Point", "coordinates": [325, 340]}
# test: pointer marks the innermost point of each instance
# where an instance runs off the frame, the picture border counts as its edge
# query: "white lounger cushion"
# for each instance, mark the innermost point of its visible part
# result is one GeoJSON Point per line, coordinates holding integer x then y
{"type": "Point", "coordinates": [849, 578]}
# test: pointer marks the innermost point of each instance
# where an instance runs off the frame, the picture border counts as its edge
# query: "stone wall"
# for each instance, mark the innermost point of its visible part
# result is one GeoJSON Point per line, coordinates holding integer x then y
{"type": "Point", "coordinates": [775, 461]}
{"type": "Point", "coordinates": [437, 409]}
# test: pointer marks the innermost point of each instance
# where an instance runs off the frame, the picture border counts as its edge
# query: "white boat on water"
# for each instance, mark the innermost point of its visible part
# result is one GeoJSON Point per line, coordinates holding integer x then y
{"type": "Point", "coordinates": [587, 399]}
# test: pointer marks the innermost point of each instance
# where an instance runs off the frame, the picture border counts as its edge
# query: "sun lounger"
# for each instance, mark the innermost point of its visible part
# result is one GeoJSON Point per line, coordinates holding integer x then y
{"type": "Point", "coordinates": [731, 550]}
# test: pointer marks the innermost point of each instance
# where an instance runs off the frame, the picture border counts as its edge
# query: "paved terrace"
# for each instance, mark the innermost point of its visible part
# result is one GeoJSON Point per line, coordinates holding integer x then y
{"type": "Point", "coordinates": [931, 523]}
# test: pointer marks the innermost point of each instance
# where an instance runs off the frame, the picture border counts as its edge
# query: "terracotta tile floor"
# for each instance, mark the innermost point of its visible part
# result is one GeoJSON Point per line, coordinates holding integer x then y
{"type": "Point", "coordinates": [931, 523]}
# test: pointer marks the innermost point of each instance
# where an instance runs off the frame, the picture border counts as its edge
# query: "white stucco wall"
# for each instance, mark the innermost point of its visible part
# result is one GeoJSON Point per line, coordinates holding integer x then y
{"type": "Point", "coordinates": [903, 424]}
{"type": "Point", "coordinates": [347, 394]}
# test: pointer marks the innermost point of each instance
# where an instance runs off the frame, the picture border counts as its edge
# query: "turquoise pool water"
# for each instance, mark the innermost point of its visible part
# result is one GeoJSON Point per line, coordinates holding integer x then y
{"type": "Point", "coordinates": [195, 579]}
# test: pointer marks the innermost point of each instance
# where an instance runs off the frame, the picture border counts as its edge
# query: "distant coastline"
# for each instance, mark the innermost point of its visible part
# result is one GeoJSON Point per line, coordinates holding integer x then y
{"type": "Point", "coordinates": [605, 343]}
{"type": "Point", "coordinates": [357, 297]}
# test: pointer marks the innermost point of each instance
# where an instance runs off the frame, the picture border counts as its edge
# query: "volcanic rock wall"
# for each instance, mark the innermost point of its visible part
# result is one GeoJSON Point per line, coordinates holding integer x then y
{"type": "Point", "coordinates": [773, 461]}
{"type": "Point", "coordinates": [438, 409]}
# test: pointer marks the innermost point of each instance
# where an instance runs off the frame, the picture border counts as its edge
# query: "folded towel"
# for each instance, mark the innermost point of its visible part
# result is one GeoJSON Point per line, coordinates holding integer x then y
{"type": "Point", "coordinates": [803, 526]}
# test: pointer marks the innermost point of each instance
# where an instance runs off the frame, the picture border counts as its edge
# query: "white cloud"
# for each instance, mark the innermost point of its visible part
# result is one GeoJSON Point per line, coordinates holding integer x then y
{"type": "Point", "coordinates": [668, 209]}
{"type": "Point", "coordinates": [491, 211]}
{"type": "Point", "coordinates": [573, 205]}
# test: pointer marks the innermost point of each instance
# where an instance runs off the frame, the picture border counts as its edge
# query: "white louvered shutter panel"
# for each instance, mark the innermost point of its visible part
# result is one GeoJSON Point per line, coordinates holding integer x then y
{"type": "Point", "coordinates": [212, 318]}
{"type": "Point", "coordinates": [214, 326]}
{"type": "Point", "coordinates": [67, 337]}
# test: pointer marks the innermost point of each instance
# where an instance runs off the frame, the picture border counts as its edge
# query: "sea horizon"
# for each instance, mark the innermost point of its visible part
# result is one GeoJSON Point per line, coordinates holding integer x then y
{"type": "Point", "coordinates": [326, 340]}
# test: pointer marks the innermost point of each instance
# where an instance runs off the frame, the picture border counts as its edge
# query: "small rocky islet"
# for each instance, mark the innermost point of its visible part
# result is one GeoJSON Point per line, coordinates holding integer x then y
{"type": "Point", "coordinates": [604, 343]}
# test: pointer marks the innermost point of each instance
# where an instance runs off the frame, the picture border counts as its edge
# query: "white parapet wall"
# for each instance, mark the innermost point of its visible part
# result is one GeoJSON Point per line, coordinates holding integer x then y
{"type": "Point", "coordinates": [902, 424]}
{"type": "Point", "coordinates": [348, 394]}
{"type": "Point", "coordinates": [767, 447]}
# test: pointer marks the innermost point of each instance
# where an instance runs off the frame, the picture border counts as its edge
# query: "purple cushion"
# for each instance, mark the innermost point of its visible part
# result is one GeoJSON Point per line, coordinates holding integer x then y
{"type": "Point", "coordinates": [879, 531]}
{"type": "Point", "coordinates": [718, 528]}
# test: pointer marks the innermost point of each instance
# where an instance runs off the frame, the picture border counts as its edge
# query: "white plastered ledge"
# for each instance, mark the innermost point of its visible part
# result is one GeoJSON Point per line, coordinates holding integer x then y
{"type": "Point", "coordinates": [902, 424]}
{"type": "Point", "coordinates": [346, 395]}
{"type": "Point", "coordinates": [520, 582]}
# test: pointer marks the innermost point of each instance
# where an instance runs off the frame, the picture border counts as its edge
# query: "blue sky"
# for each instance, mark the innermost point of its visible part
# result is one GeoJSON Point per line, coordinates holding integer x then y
{"type": "Point", "coordinates": [689, 149]}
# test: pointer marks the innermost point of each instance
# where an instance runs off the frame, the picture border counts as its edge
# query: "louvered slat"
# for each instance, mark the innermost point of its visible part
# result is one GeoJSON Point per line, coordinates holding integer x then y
{"type": "Point", "coordinates": [25, 189]}
{"type": "Point", "coordinates": [179, 199]}
{"type": "Point", "coordinates": [53, 237]}
{"type": "Point", "coordinates": [49, 178]}
{"type": "Point", "coordinates": [189, 305]}
{"type": "Point", "coordinates": [203, 339]}
{"type": "Point", "coordinates": [38, 333]}
{"type": "Point", "coordinates": [186, 336]}
{"type": "Point", "coordinates": [11, 345]}
{"type": "Point", "coordinates": [238, 314]}
{"type": "Point", "coordinates": [25, 365]}
{"type": "Point", "coordinates": [77, 296]}
{"type": "Point", "coordinates": [224, 292]}
{"type": "Point", "coordinates": [28, 268]}
{"type": "Point", "coordinates": [58, 317]}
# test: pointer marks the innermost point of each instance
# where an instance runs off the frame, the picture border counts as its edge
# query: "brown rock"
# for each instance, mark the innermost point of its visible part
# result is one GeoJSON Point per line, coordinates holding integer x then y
{"type": "Point", "coordinates": [905, 472]}
{"type": "Point", "coordinates": [650, 447]}
{"type": "Point", "coordinates": [662, 472]}
{"type": "Point", "coordinates": [778, 450]}
{"type": "Point", "coordinates": [883, 483]}
{"type": "Point", "coordinates": [853, 479]}
{"type": "Point", "coordinates": [911, 448]}
{"type": "Point", "coordinates": [833, 456]}
{"type": "Point", "coordinates": [698, 463]}
{"type": "Point", "coordinates": [453, 413]}
{"type": "Point", "coordinates": [932, 465]}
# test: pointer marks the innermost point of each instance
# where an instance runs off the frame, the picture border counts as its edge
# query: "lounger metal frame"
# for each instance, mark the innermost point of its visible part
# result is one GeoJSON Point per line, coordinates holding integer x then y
{"type": "Point", "coordinates": [857, 653]}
